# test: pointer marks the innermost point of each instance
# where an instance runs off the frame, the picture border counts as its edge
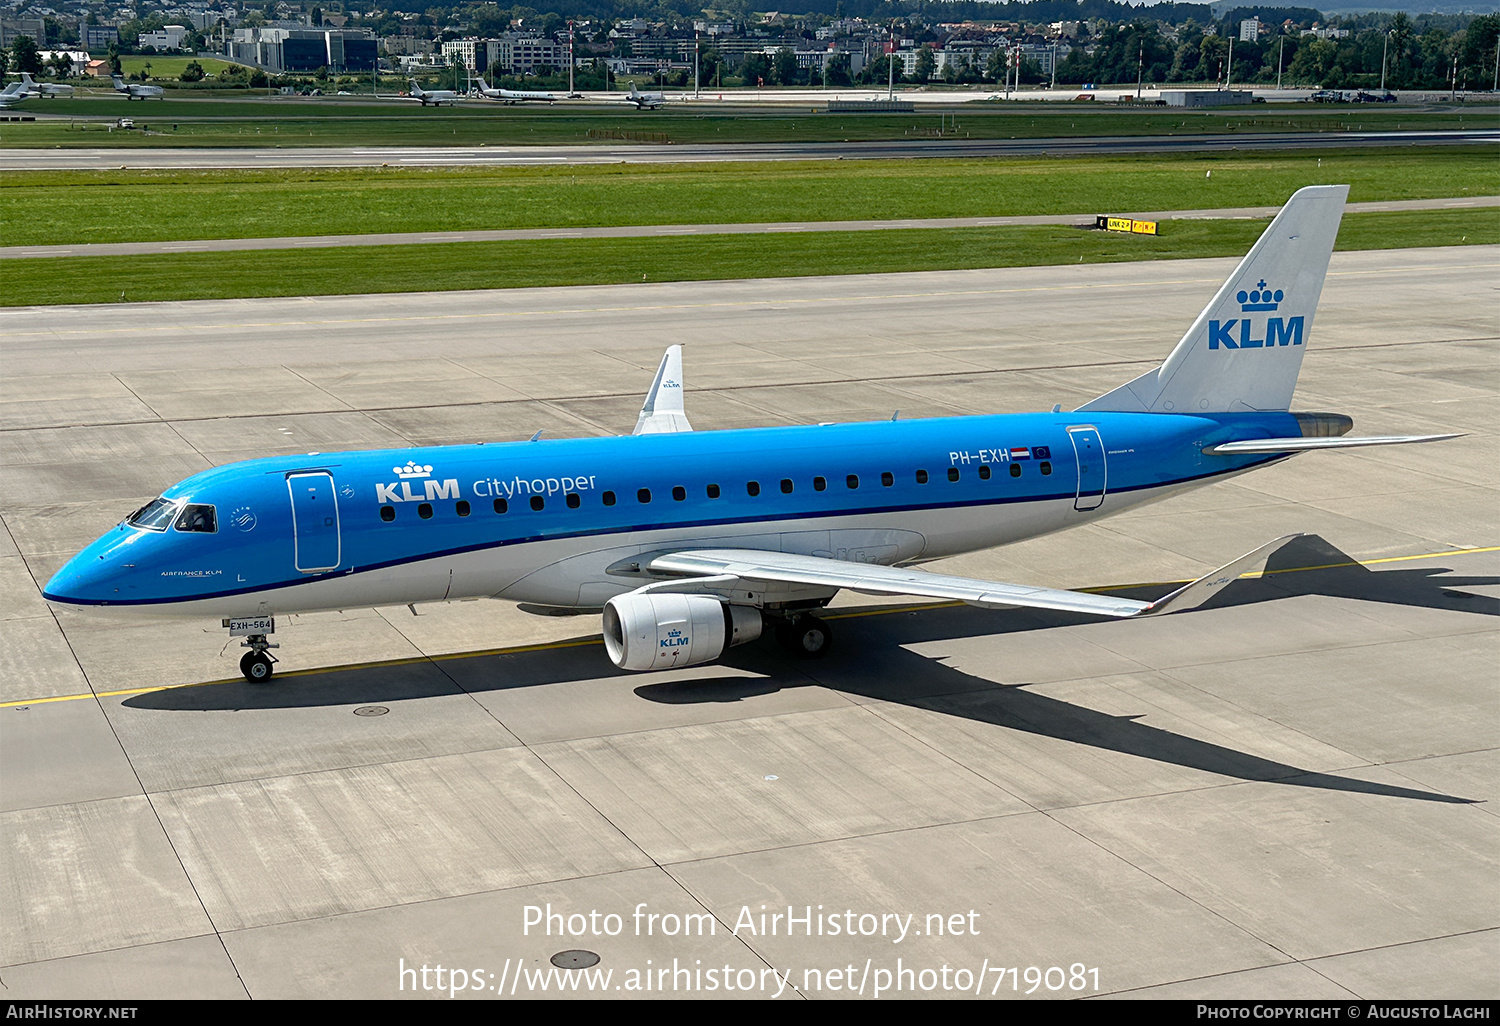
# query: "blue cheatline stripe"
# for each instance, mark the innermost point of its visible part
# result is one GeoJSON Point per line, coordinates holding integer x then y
{"type": "Point", "coordinates": [633, 528]}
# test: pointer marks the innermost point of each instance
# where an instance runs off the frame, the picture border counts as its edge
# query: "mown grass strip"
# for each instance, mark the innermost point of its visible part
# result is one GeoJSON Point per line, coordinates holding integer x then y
{"type": "Point", "coordinates": [554, 262]}
{"type": "Point", "coordinates": [54, 208]}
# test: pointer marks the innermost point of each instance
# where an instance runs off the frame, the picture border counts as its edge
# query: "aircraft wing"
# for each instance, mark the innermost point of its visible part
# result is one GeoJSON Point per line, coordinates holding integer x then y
{"type": "Point", "coordinates": [754, 565]}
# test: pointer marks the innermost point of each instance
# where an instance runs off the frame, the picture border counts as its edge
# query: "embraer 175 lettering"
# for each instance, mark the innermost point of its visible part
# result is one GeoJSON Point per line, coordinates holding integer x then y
{"type": "Point", "coordinates": [512, 96]}
{"type": "Point", "coordinates": [135, 90]}
{"type": "Point", "coordinates": [690, 542]}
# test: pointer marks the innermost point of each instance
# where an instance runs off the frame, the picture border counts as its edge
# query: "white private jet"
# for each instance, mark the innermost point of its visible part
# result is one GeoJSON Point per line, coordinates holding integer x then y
{"type": "Point", "coordinates": [432, 97]}
{"type": "Point", "coordinates": [513, 96]}
{"type": "Point", "coordinates": [46, 90]}
{"type": "Point", "coordinates": [13, 94]}
{"type": "Point", "coordinates": [646, 101]}
{"type": "Point", "coordinates": [135, 90]}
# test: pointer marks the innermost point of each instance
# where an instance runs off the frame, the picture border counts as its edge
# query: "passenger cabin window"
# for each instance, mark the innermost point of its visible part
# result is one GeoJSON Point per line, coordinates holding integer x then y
{"type": "Point", "coordinates": [820, 484]}
{"type": "Point", "coordinates": [713, 491]}
{"type": "Point", "coordinates": [921, 477]}
{"type": "Point", "coordinates": [156, 515]}
{"type": "Point", "coordinates": [644, 495]}
{"type": "Point", "coordinates": [1015, 470]}
{"type": "Point", "coordinates": [1045, 467]}
{"type": "Point", "coordinates": [753, 487]}
{"type": "Point", "coordinates": [786, 486]}
{"type": "Point", "coordinates": [197, 519]}
{"type": "Point", "coordinates": [678, 493]}
{"type": "Point", "coordinates": [852, 480]}
{"type": "Point", "coordinates": [574, 500]}
{"type": "Point", "coordinates": [501, 505]}
{"type": "Point", "coordinates": [984, 472]}
{"type": "Point", "coordinates": [609, 498]}
{"type": "Point", "coordinates": [537, 502]}
{"type": "Point", "coordinates": [461, 507]}
{"type": "Point", "coordinates": [388, 513]}
{"type": "Point", "coordinates": [425, 511]}
{"type": "Point", "coordinates": [952, 473]}
{"type": "Point", "coordinates": [887, 479]}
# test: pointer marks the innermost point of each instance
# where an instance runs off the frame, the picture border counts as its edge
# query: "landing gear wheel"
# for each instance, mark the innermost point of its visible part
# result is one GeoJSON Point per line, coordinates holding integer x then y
{"type": "Point", "coordinates": [807, 637]}
{"type": "Point", "coordinates": [256, 666]}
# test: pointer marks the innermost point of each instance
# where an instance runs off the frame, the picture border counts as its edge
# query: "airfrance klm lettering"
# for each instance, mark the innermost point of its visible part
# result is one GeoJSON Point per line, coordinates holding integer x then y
{"type": "Point", "coordinates": [1279, 332]}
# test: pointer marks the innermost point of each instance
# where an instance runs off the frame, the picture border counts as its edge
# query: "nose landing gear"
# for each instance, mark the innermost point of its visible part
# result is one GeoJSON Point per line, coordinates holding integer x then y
{"type": "Point", "coordinates": [257, 664]}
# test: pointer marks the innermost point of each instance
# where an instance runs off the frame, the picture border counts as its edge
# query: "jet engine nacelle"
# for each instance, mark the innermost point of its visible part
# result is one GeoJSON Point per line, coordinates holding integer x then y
{"type": "Point", "coordinates": [661, 630]}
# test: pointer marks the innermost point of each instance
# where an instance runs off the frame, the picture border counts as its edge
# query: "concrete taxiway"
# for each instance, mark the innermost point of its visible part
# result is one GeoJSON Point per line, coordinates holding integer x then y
{"type": "Point", "coordinates": [1290, 794]}
{"type": "Point", "coordinates": [647, 231]}
{"type": "Point", "coordinates": [651, 153]}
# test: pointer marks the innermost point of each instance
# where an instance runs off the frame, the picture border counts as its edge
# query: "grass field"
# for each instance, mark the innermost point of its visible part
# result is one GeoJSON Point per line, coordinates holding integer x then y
{"type": "Point", "coordinates": [244, 119]}
{"type": "Point", "coordinates": [40, 208]}
{"type": "Point", "coordinates": [448, 267]}
{"type": "Point", "coordinates": [163, 67]}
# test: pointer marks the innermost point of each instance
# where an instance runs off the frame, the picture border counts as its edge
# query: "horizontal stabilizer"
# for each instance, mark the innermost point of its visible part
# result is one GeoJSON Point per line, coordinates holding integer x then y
{"type": "Point", "coordinates": [1253, 445]}
{"type": "Point", "coordinates": [662, 412]}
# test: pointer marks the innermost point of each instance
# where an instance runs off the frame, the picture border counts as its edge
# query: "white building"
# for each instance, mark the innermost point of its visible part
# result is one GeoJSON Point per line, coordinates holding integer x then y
{"type": "Point", "coordinates": [168, 38]}
{"type": "Point", "coordinates": [1249, 30]}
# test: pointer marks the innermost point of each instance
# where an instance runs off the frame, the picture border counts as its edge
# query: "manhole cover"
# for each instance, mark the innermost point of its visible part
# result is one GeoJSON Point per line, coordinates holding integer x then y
{"type": "Point", "coordinates": [371, 710]}
{"type": "Point", "coordinates": [577, 958]}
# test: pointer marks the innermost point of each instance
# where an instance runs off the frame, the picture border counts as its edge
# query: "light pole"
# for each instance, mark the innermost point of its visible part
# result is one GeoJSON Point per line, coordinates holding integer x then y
{"type": "Point", "coordinates": [890, 65]}
{"type": "Point", "coordinates": [1280, 50]}
{"type": "Point", "coordinates": [1140, 70]}
{"type": "Point", "coordinates": [695, 64]}
{"type": "Point", "coordinates": [571, 61]}
{"type": "Point", "coordinates": [1229, 68]}
{"type": "Point", "coordinates": [1384, 49]}
{"type": "Point", "coordinates": [1054, 67]}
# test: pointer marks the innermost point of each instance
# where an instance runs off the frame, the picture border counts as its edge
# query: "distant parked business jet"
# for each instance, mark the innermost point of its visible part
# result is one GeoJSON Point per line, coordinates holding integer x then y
{"type": "Point", "coordinates": [134, 90]}
{"type": "Point", "coordinates": [433, 97]}
{"type": "Point", "coordinates": [645, 101]}
{"type": "Point", "coordinates": [47, 90]}
{"type": "Point", "coordinates": [690, 542]}
{"type": "Point", "coordinates": [513, 96]}
{"type": "Point", "coordinates": [13, 94]}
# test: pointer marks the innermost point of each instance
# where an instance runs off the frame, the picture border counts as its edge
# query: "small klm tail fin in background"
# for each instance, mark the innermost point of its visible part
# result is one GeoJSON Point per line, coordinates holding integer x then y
{"type": "Point", "coordinates": [662, 412]}
{"type": "Point", "coordinates": [1244, 351]}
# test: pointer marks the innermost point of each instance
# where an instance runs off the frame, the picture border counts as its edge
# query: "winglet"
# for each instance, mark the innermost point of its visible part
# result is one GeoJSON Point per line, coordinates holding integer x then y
{"type": "Point", "coordinates": [662, 412]}
{"type": "Point", "coordinates": [1191, 596]}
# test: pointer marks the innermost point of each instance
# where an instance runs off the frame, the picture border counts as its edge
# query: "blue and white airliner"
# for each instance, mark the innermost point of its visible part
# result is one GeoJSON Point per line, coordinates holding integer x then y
{"type": "Point", "coordinates": [691, 542]}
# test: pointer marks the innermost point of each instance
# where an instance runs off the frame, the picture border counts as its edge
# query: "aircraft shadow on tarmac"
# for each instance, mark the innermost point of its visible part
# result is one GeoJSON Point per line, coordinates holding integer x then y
{"type": "Point", "coordinates": [872, 660]}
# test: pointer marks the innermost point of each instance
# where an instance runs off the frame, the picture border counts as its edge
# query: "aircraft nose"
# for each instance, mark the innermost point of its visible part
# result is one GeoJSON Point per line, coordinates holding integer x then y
{"type": "Point", "coordinates": [91, 578]}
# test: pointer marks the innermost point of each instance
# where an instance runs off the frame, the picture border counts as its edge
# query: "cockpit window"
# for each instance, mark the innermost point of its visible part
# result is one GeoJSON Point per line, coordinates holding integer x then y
{"type": "Point", "coordinates": [200, 519]}
{"type": "Point", "coordinates": [154, 516]}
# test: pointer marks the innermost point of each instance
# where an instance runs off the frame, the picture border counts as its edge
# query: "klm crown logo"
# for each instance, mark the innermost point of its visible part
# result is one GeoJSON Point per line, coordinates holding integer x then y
{"type": "Point", "coordinates": [1261, 298]}
{"type": "Point", "coordinates": [412, 470]}
{"type": "Point", "coordinates": [1275, 333]}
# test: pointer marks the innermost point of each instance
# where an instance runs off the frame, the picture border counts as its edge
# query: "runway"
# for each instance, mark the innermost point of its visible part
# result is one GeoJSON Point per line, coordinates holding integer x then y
{"type": "Point", "coordinates": [646, 231]}
{"type": "Point", "coordinates": [650, 153]}
{"type": "Point", "coordinates": [1290, 794]}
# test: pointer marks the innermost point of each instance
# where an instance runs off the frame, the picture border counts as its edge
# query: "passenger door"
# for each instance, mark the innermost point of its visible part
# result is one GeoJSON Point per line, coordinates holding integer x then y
{"type": "Point", "coordinates": [315, 521]}
{"type": "Point", "coordinates": [1092, 471]}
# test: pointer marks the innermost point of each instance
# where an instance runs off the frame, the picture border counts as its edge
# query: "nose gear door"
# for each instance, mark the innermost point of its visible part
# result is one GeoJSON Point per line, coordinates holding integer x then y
{"type": "Point", "coordinates": [315, 521]}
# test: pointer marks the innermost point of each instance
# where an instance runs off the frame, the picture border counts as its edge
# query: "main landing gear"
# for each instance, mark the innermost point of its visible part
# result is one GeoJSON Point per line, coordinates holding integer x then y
{"type": "Point", "coordinates": [257, 664]}
{"type": "Point", "coordinates": [806, 637]}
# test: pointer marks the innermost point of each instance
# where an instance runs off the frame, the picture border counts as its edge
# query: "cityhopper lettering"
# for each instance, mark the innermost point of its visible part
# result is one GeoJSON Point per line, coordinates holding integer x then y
{"type": "Point", "coordinates": [1279, 331]}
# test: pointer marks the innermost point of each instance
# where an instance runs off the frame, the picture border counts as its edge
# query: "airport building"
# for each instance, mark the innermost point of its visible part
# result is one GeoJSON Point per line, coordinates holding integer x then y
{"type": "Point", "coordinates": [303, 49]}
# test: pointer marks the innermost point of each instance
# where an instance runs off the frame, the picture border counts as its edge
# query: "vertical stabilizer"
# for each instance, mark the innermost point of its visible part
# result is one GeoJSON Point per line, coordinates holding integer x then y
{"type": "Point", "coordinates": [1244, 351]}
{"type": "Point", "coordinates": [662, 412]}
